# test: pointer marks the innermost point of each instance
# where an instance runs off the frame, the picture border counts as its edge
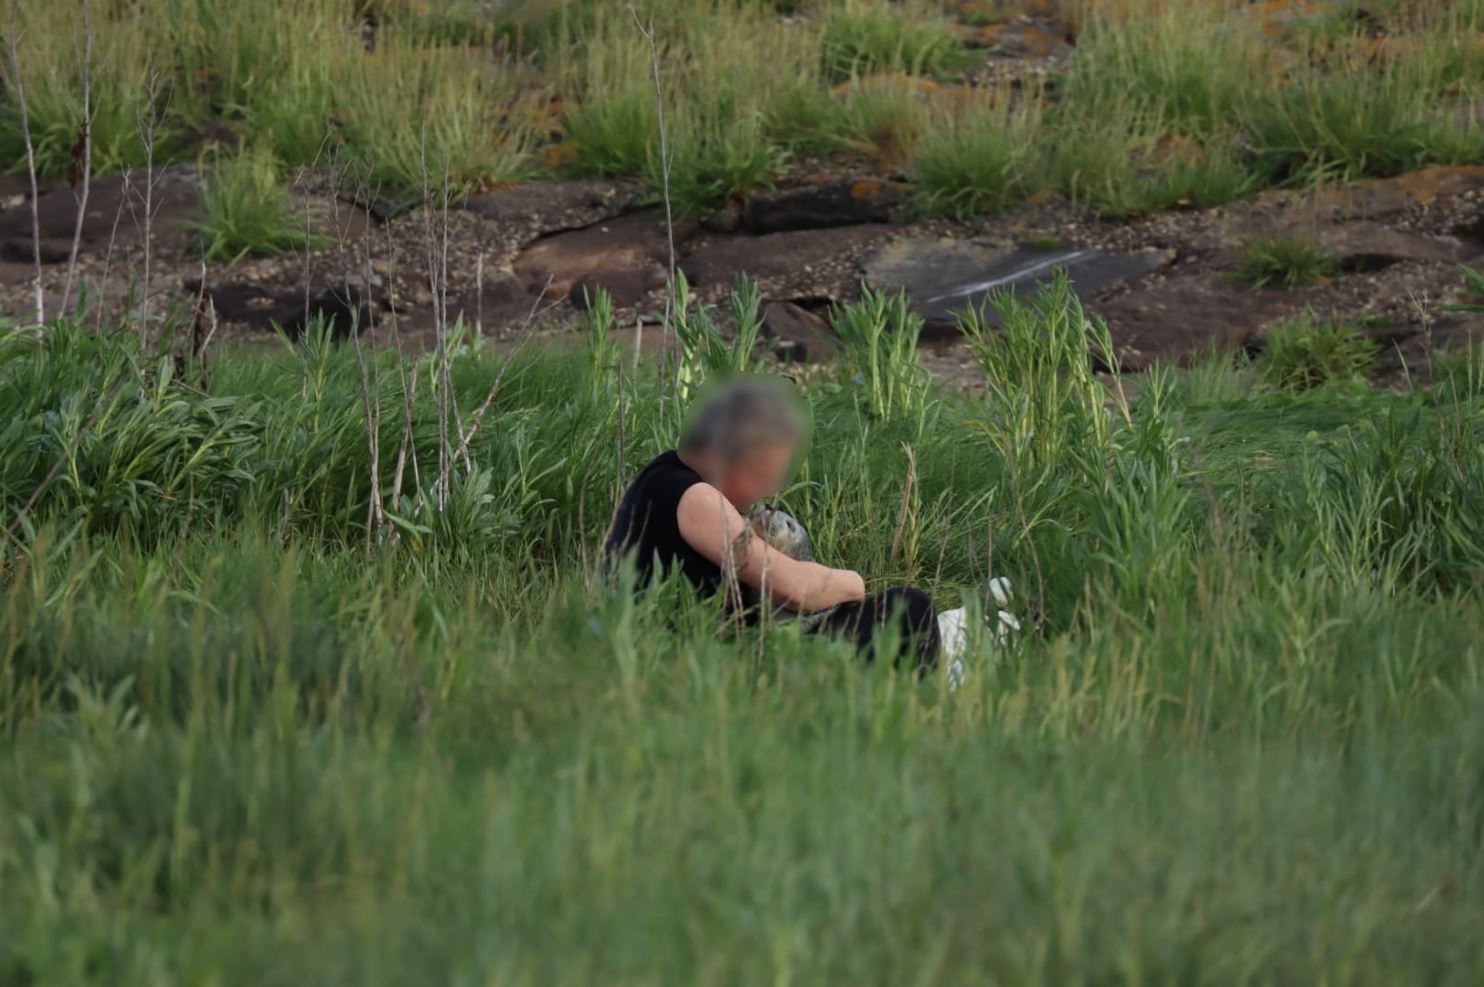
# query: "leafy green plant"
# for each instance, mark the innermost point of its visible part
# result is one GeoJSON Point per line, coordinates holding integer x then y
{"type": "Point", "coordinates": [1185, 65]}
{"type": "Point", "coordinates": [1354, 119]}
{"type": "Point", "coordinates": [862, 39]}
{"type": "Point", "coordinates": [878, 335]}
{"type": "Point", "coordinates": [1122, 160]}
{"type": "Point", "coordinates": [218, 693]}
{"type": "Point", "coordinates": [981, 161]}
{"type": "Point", "coordinates": [249, 209]}
{"type": "Point", "coordinates": [1284, 259]}
{"type": "Point", "coordinates": [1037, 358]}
{"type": "Point", "coordinates": [705, 351]}
{"type": "Point", "coordinates": [430, 118]}
{"type": "Point", "coordinates": [720, 78]}
{"type": "Point", "coordinates": [122, 93]}
{"type": "Point", "coordinates": [1307, 352]}
{"type": "Point", "coordinates": [1473, 280]}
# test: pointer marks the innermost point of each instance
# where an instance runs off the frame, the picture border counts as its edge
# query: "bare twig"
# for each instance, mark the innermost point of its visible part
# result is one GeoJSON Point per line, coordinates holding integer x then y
{"type": "Point", "coordinates": [17, 80]}
{"type": "Point", "coordinates": [148, 124]}
{"type": "Point", "coordinates": [437, 270]}
{"type": "Point", "coordinates": [647, 30]}
{"type": "Point", "coordinates": [370, 382]}
{"type": "Point", "coordinates": [113, 235]}
{"type": "Point", "coordinates": [479, 299]}
{"type": "Point", "coordinates": [198, 338]}
{"type": "Point", "coordinates": [85, 142]}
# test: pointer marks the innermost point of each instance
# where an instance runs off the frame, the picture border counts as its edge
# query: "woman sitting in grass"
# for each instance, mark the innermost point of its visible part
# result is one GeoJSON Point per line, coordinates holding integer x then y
{"type": "Point", "coordinates": [685, 512]}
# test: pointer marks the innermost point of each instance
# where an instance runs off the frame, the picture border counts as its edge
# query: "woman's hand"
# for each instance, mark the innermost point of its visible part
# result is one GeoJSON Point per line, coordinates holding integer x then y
{"type": "Point", "coordinates": [712, 526]}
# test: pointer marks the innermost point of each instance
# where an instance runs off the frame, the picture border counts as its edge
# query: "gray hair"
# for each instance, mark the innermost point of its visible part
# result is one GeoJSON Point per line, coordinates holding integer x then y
{"type": "Point", "coordinates": [742, 414]}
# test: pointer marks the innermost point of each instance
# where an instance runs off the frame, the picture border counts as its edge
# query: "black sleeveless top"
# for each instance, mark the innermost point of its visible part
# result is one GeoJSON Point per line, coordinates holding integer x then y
{"type": "Point", "coordinates": [646, 525]}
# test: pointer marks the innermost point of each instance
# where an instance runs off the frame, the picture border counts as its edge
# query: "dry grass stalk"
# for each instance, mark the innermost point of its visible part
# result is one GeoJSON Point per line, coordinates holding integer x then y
{"type": "Point", "coordinates": [18, 83]}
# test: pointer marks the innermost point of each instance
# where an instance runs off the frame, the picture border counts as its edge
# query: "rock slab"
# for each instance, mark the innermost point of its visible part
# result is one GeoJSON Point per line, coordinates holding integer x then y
{"type": "Point", "coordinates": [943, 278]}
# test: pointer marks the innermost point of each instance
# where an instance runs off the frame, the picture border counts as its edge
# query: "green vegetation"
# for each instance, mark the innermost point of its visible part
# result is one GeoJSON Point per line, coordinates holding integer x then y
{"type": "Point", "coordinates": [277, 711]}
{"type": "Point", "coordinates": [1159, 105]}
{"type": "Point", "coordinates": [310, 672]}
{"type": "Point", "coordinates": [866, 38]}
{"type": "Point", "coordinates": [248, 210]}
{"type": "Point", "coordinates": [879, 336]}
{"type": "Point", "coordinates": [1284, 259]}
{"type": "Point", "coordinates": [1307, 352]}
{"type": "Point", "coordinates": [980, 162]}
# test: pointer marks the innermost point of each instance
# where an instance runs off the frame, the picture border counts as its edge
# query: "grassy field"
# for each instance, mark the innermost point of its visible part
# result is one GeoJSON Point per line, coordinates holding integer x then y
{"type": "Point", "coordinates": [275, 711]}
{"type": "Point", "coordinates": [1159, 105]}
{"type": "Point", "coordinates": [309, 673]}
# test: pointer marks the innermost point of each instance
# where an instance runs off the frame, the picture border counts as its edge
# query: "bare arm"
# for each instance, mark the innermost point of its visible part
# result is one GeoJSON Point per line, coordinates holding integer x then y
{"type": "Point", "coordinates": [712, 526]}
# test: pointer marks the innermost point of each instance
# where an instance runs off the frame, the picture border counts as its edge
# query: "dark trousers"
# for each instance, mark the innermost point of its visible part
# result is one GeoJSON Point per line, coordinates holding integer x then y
{"type": "Point", "coordinates": [916, 623]}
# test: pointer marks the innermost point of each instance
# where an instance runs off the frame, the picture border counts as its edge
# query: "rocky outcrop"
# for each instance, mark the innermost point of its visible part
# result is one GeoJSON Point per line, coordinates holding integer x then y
{"type": "Point", "coordinates": [944, 277]}
{"type": "Point", "coordinates": [628, 257]}
{"type": "Point", "coordinates": [541, 208]}
{"type": "Point", "coordinates": [794, 258]}
{"type": "Point", "coordinates": [824, 204]}
{"type": "Point", "coordinates": [115, 214]}
{"type": "Point", "coordinates": [1189, 314]}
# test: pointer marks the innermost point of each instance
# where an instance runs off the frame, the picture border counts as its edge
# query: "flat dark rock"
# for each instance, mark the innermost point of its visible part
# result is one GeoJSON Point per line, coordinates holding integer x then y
{"type": "Point", "coordinates": [800, 254]}
{"type": "Point", "coordinates": [797, 334]}
{"type": "Point", "coordinates": [115, 211]}
{"type": "Point", "coordinates": [943, 278]}
{"type": "Point", "coordinates": [540, 208]}
{"type": "Point", "coordinates": [1190, 314]}
{"type": "Point", "coordinates": [1371, 246]}
{"type": "Point", "coordinates": [822, 205]}
{"type": "Point", "coordinates": [626, 257]}
{"type": "Point", "coordinates": [263, 308]}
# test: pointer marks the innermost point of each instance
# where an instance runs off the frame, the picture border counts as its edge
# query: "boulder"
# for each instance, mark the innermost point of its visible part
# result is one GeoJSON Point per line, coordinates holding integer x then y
{"type": "Point", "coordinates": [502, 300]}
{"type": "Point", "coordinates": [1383, 198]}
{"type": "Point", "coordinates": [16, 272]}
{"type": "Point", "coordinates": [823, 204]}
{"type": "Point", "coordinates": [1023, 37]}
{"type": "Point", "coordinates": [944, 277]}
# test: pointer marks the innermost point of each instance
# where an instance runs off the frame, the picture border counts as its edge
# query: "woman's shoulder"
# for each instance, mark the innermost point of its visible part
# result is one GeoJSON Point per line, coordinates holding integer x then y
{"type": "Point", "coordinates": [668, 472]}
{"type": "Point", "coordinates": [669, 464]}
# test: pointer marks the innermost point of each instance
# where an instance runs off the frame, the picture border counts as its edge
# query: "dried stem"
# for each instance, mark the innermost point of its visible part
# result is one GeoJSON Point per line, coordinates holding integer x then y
{"type": "Point", "coordinates": [85, 142]}
{"type": "Point", "coordinates": [148, 124]}
{"type": "Point", "coordinates": [17, 80]}
{"type": "Point", "coordinates": [659, 105]}
{"type": "Point", "coordinates": [437, 262]}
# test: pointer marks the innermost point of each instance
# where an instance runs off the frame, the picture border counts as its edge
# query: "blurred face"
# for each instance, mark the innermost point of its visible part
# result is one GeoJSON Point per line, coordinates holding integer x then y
{"type": "Point", "coordinates": [756, 476]}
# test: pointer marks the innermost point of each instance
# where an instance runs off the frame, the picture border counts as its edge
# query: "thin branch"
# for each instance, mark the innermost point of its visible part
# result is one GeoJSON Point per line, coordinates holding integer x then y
{"type": "Point", "coordinates": [659, 106]}
{"type": "Point", "coordinates": [148, 126]}
{"type": "Point", "coordinates": [86, 141]}
{"type": "Point", "coordinates": [18, 81]}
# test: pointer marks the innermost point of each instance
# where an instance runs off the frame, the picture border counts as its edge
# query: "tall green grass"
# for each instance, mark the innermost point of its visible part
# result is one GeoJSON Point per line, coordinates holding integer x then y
{"type": "Point", "coordinates": [248, 209]}
{"type": "Point", "coordinates": [246, 743]}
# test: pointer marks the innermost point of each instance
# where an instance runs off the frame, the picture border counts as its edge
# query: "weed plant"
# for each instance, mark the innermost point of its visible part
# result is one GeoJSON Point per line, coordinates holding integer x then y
{"type": "Point", "coordinates": [1307, 352]}
{"type": "Point", "coordinates": [1285, 260]}
{"type": "Point", "coordinates": [248, 209]}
